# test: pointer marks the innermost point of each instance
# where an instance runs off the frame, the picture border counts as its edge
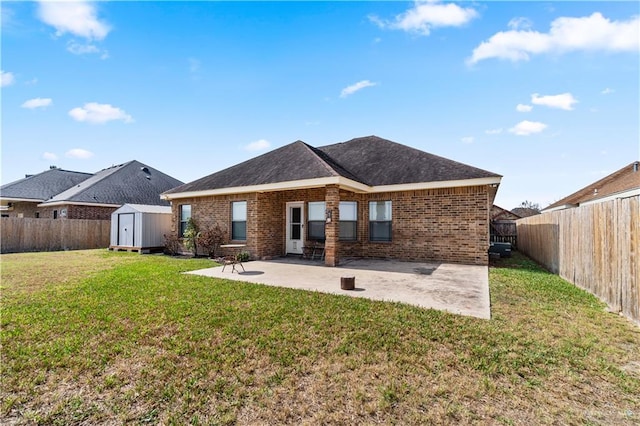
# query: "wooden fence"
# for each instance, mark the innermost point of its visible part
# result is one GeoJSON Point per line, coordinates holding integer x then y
{"type": "Point", "coordinates": [596, 247]}
{"type": "Point", "coordinates": [29, 234]}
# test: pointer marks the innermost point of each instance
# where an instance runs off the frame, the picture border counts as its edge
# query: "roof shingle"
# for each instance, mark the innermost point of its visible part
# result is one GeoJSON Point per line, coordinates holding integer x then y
{"type": "Point", "coordinates": [369, 160]}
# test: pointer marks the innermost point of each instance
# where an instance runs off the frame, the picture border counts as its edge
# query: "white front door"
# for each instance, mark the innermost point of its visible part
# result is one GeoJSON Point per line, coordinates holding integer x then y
{"type": "Point", "coordinates": [295, 227]}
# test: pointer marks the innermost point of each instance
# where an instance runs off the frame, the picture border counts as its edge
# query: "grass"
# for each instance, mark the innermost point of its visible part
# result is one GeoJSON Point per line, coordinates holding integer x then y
{"type": "Point", "coordinates": [100, 337]}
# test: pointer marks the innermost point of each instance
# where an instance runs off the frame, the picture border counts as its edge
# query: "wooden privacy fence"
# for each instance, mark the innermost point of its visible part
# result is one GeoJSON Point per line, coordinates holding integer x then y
{"type": "Point", "coordinates": [30, 234]}
{"type": "Point", "coordinates": [596, 247]}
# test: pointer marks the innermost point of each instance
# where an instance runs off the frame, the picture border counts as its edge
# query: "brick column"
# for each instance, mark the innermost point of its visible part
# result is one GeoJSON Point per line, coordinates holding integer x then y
{"type": "Point", "coordinates": [331, 228]}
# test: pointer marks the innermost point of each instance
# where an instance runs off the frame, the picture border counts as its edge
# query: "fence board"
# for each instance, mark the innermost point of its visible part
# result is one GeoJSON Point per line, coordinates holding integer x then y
{"type": "Point", "coordinates": [596, 247]}
{"type": "Point", "coordinates": [31, 234]}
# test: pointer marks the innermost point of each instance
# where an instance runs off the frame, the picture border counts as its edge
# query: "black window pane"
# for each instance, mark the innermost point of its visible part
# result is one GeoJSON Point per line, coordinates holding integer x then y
{"type": "Point", "coordinates": [380, 231]}
{"type": "Point", "coordinates": [348, 231]}
{"type": "Point", "coordinates": [296, 215]}
{"type": "Point", "coordinates": [295, 231]}
{"type": "Point", "coordinates": [239, 231]}
{"type": "Point", "coordinates": [316, 230]}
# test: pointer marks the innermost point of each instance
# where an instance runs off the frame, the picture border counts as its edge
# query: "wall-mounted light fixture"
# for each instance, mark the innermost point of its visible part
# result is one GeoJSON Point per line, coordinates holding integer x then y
{"type": "Point", "coordinates": [328, 214]}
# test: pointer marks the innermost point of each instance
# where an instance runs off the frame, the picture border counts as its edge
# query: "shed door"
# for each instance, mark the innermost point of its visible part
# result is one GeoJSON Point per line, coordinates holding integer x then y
{"type": "Point", "coordinates": [125, 229]}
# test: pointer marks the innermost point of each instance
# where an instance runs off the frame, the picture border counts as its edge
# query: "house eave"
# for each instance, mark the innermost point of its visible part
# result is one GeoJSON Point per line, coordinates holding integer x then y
{"type": "Point", "coordinates": [76, 203]}
{"type": "Point", "coordinates": [342, 182]}
{"type": "Point", "coordinates": [561, 207]}
{"type": "Point", "coordinates": [20, 200]}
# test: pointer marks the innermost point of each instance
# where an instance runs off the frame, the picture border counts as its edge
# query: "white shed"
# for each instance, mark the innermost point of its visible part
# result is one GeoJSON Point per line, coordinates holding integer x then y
{"type": "Point", "coordinates": [139, 227]}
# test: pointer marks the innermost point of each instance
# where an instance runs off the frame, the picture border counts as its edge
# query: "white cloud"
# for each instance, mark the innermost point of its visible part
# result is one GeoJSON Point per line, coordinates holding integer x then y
{"type": "Point", "coordinates": [79, 154]}
{"type": "Point", "coordinates": [523, 108]}
{"type": "Point", "coordinates": [427, 15]}
{"type": "Point", "coordinates": [563, 101]}
{"type": "Point", "coordinates": [258, 145]}
{"type": "Point", "coordinates": [83, 49]}
{"type": "Point", "coordinates": [49, 156]}
{"type": "Point", "coordinates": [607, 91]}
{"type": "Point", "coordinates": [96, 113]}
{"type": "Point", "coordinates": [350, 90]}
{"type": "Point", "coordinates": [589, 33]}
{"type": "Point", "coordinates": [493, 131]}
{"type": "Point", "coordinates": [520, 23]}
{"type": "Point", "coordinates": [6, 78]}
{"type": "Point", "coordinates": [77, 18]}
{"type": "Point", "coordinates": [37, 103]}
{"type": "Point", "coordinates": [526, 128]}
{"type": "Point", "coordinates": [468, 139]}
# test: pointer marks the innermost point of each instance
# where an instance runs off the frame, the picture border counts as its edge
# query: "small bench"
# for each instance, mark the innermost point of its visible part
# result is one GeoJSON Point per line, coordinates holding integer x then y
{"type": "Point", "coordinates": [314, 250]}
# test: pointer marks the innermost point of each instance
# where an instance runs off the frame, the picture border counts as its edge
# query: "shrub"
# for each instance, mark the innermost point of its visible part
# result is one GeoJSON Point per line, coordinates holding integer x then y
{"type": "Point", "coordinates": [210, 239]}
{"type": "Point", "coordinates": [243, 256]}
{"type": "Point", "coordinates": [191, 236]}
{"type": "Point", "coordinates": [171, 244]}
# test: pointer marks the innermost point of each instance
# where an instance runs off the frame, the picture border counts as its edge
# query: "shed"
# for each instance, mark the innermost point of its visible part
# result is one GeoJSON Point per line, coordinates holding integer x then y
{"type": "Point", "coordinates": [140, 227]}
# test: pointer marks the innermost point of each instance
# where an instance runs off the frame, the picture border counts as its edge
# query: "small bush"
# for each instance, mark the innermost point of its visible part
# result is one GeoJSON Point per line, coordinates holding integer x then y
{"type": "Point", "coordinates": [210, 239]}
{"type": "Point", "coordinates": [171, 244]}
{"type": "Point", "coordinates": [243, 256]}
{"type": "Point", "coordinates": [191, 236]}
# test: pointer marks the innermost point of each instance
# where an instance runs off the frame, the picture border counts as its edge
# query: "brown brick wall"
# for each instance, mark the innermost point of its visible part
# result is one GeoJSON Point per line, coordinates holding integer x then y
{"type": "Point", "coordinates": [441, 225]}
{"type": "Point", "coordinates": [73, 212]}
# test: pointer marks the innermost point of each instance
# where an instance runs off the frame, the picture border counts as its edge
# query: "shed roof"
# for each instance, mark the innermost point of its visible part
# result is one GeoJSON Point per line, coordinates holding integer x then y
{"type": "Point", "coordinates": [143, 208]}
{"type": "Point", "coordinates": [370, 160]}
{"type": "Point", "coordinates": [131, 182]}
{"type": "Point", "coordinates": [42, 186]}
{"type": "Point", "coordinates": [618, 182]}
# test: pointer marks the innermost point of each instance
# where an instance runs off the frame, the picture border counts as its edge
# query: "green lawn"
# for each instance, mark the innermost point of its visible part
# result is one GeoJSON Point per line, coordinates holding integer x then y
{"type": "Point", "coordinates": [100, 337]}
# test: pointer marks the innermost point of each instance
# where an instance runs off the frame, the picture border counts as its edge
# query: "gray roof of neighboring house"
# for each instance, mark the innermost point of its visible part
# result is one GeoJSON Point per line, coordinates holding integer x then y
{"type": "Point", "coordinates": [42, 186]}
{"type": "Point", "coordinates": [128, 183]}
{"type": "Point", "coordinates": [369, 160]}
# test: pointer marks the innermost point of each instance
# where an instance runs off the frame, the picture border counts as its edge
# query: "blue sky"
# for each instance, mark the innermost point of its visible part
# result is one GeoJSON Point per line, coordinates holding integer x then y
{"type": "Point", "coordinates": [544, 93]}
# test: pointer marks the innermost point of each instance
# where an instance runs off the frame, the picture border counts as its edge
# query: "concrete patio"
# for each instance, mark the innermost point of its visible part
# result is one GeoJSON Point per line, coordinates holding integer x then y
{"type": "Point", "coordinates": [459, 289]}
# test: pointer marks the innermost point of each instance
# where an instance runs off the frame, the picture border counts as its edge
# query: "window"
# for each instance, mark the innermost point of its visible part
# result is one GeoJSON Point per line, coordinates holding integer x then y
{"type": "Point", "coordinates": [380, 220]}
{"type": "Point", "coordinates": [55, 214]}
{"type": "Point", "coordinates": [348, 220]}
{"type": "Point", "coordinates": [315, 223]}
{"type": "Point", "coordinates": [185, 215]}
{"type": "Point", "coordinates": [239, 220]}
{"type": "Point", "coordinates": [37, 215]}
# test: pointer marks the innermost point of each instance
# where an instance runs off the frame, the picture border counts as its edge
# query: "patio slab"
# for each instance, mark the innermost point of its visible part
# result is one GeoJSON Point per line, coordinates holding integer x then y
{"type": "Point", "coordinates": [459, 289]}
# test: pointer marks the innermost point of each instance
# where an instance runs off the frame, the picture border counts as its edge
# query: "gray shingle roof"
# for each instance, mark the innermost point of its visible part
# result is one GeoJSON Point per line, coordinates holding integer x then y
{"type": "Point", "coordinates": [369, 160]}
{"type": "Point", "coordinates": [42, 186]}
{"type": "Point", "coordinates": [128, 183]}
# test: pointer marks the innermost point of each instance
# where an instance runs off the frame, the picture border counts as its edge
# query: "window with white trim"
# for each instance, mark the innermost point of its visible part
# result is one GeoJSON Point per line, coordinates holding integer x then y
{"type": "Point", "coordinates": [185, 215]}
{"type": "Point", "coordinates": [348, 220]}
{"type": "Point", "coordinates": [316, 220]}
{"type": "Point", "coordinates": [239, 220]}
{"type": "Point", "coordinates": [380, 220]}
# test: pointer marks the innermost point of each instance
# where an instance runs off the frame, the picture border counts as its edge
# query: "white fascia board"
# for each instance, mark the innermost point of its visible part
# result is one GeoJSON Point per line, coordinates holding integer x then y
{"type": "Point", "coordinates": [75, 203]}
{"type": "Point", "coordinates": [271, 187]}
{"type": "Point", "coordinates": [494, 180]}
{"type": "Point", "coordinates": [562, 207]}
{"type": "Point", "coordinates": [623, 194]}
{"type": "Point", "coordinates": [342, 182]}
{"type": "Point", "coordinates": [16, 200]}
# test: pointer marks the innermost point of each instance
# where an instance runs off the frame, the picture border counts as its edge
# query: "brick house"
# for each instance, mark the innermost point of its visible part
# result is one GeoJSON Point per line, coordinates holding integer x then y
{"type": "Point", "coordinates": [21, 198]}
{"type": "Point", "coordinates": [367, 197]}
{"type": "Point", "coordinates": [61, 194]}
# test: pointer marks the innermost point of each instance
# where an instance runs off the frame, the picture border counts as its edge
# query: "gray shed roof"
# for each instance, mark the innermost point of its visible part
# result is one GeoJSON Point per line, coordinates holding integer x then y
{"type": "Point", "coordinates": [128, 183]}
{"type": "Point", "coordinates": [369, 160]}
{"type": "Point", "coordinates": [143, 208]}
{"type": "Point", "coordinates": [42, 186]}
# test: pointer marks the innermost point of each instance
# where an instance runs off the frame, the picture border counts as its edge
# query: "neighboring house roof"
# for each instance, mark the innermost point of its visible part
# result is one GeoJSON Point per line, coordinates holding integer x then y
{"type": "Point", "coordinates": [42, 186]}
{"type": "Point", "coordinates": [131, 182]}
{"type": "Point", "coordinates": [524, 211]}
{"type": "Point", "coordinates": [361, 164]}
{"type": "Point", "coordinates": [498, 213]}
{"type": "Point", "coordinates": [622, 183]}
